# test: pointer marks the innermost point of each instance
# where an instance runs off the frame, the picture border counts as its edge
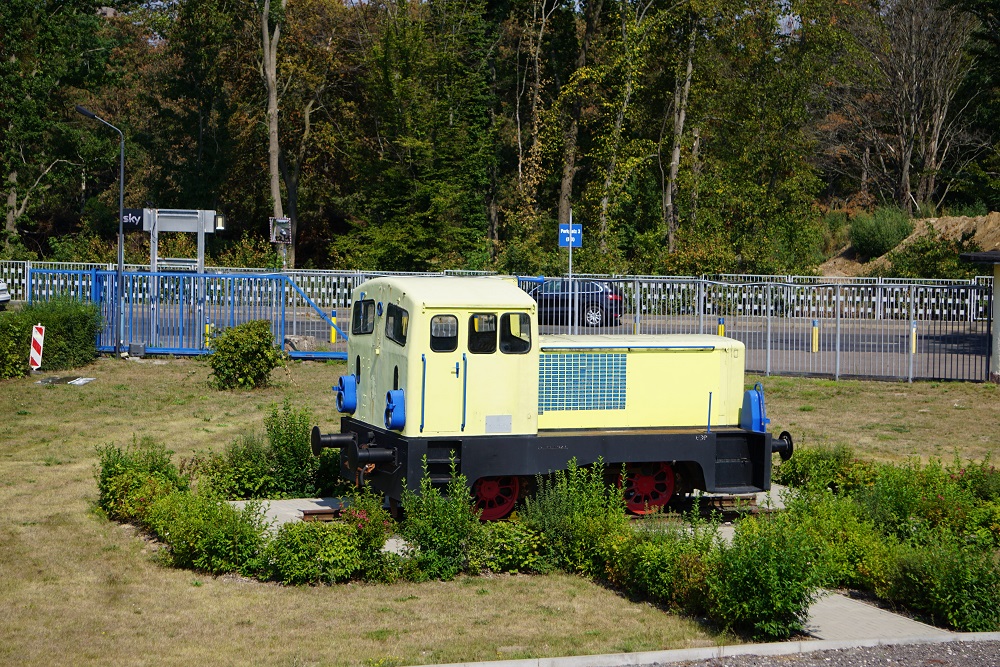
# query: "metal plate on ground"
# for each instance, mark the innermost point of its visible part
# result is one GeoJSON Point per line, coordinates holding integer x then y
{"type": "Point", "coordinates": [72, 379]}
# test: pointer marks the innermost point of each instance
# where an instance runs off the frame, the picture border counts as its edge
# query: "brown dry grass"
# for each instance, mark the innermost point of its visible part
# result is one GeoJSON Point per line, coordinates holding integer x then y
{"type": "Point", "coordinates": [888, 421]}
{"type": "Point", "coordinates": [77, 589]}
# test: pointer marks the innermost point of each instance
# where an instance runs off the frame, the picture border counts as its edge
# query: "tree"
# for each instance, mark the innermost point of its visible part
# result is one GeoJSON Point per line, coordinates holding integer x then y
{"type": "Point", "coordinates": [48, 49]}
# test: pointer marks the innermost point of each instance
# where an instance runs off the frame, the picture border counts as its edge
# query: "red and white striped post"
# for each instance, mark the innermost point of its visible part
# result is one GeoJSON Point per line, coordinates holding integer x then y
{"type": "Point", "coordinates": [37, 338]}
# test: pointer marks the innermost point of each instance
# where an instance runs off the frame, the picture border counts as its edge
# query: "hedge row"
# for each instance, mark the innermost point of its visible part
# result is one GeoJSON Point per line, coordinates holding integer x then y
{"type": "Point", "coordinates": [71, 329]}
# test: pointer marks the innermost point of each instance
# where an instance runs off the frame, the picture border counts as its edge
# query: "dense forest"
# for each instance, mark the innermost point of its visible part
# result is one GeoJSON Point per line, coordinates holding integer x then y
{"type": "Point", "coordinates": [686, 136]}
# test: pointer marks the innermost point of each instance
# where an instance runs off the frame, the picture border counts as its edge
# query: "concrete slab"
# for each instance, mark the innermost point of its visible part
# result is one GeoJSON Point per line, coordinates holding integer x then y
{"type": "Point", "coordinates": [278, 512]}
{"type": "Point", "coordinates": [837, 617]}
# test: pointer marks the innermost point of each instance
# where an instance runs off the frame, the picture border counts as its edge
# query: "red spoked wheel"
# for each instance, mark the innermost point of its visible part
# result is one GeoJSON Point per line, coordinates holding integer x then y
{"type": "Point", "coordinates": [647, 486]}
{"type": "Point", "coordinates": [495, 497]}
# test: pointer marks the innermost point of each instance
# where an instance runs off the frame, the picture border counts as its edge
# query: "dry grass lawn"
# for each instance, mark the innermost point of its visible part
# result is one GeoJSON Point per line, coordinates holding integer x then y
{"type": "Point", "coordinates": [76, 589]}
{"type": "Point", "coordinates": [888, 421]}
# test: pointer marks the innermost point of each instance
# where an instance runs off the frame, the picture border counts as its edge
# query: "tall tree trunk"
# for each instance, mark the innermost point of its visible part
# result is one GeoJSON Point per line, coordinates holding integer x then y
{"type": "Point", "coordinates": [11, 209]}
{"type": "Point", "coordinates": [695, 173]}
{"type": "Point", "coordinates": [593, 21]}
{"type": "Point", "coordinates": [269, 48]}
{"type": "Point", "coordinates": [680, 103]}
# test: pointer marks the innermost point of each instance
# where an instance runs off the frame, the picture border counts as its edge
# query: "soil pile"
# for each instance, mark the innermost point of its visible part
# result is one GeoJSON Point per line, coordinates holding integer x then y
{"type": "Point", "coordinates": [985, 231]}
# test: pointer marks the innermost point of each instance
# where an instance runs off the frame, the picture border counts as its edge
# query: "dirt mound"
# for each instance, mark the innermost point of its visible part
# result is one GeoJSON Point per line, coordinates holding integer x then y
{"type": "Point", "coordinates": [985, 230]}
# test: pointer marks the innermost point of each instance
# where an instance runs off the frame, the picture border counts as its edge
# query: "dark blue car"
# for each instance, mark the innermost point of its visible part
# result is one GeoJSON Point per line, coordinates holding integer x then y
{"type": "Point", "coordinates": [598, 303]}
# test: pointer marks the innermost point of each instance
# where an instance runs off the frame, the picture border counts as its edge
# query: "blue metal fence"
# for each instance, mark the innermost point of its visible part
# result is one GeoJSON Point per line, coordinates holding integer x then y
{"type": "Point", "coordinates": [179, 313]}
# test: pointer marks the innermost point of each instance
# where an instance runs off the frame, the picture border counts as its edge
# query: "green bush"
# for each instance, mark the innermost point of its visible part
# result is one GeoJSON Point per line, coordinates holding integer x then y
{"type": "Point", "coordinates": [834, 468]}
{"type": "Point", "coordinates": [71, 329]}
{"type": "Point", "coordinates": [208, 534]}
{"type": "Point", "coordinates": [851, 552]}
{"type": "Point", "coordinates": [280, 466]}
{"type": "Point", "coordinates": [443, 529]}
{"type": "Point", "coordinates": [909, 500]}
{"type": "Point", "coordinates": [762, 584]}
{"type": "Point", "coordinates": [244, 356]}
{"type": "Point", "coordinates": [876, 234]}
{"type": "Point", "coordinates": [952, 583]}
{"type": "Point", "coordinates": [513, 547]}
{"type": "Point", "coordinates": [669, 567]}
{"type": "Point", "coordinates": [374, 525]}
{"type": "Point", "coordinates": [578, 512]}
{"type": "Point", "coordinates": [294, 466]}
{"type": "Point", "coordinates": [15, 342]}
{"type": "Point", "coordinates": [312, 552]}
{"type": "Point", "coordinates": [241, 471]}
{"type": "Point", "coordinates": [129, 480]}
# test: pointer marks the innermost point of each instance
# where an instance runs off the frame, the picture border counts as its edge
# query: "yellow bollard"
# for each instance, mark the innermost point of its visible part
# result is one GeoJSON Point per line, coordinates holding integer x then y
{"type": "Point", "coordinates": [815, 338]}
{"type": "Point", "coordinates": [913, 337]}
{"type": "Point", "coordinates": [722, 326]}
{"type": "Point", "coordinates": [333, 330]}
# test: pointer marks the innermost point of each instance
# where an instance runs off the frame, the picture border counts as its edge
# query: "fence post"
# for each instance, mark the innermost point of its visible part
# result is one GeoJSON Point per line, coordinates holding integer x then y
{"type": "Point", "coordinates": [767, 306]}
{"type": "Point", "coordinates": [701, 305]}
{"type": "Point", "coordinates": [635, 297]}
{"type": "Point", "coordinates": [836, 371]}
{"type": "Point", "coordinates": [912, 347]}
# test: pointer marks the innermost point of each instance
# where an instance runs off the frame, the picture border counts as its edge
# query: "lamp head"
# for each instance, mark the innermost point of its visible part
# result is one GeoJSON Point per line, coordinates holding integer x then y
{"type": "Point", "coordinates": [83, 111]}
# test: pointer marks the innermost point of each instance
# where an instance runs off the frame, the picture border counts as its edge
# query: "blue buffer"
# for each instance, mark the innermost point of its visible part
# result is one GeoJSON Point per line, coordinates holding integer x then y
{"type": "Point", "coordinates": [347, 394]}
{"type": "Point", "coordinates": [753, 416]}
{"type": "Point", "coordinates": [395, 410]}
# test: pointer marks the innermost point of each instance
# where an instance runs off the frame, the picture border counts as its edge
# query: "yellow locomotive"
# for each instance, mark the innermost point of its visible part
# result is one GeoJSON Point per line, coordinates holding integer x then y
{"type": "Point", "coordinates": [454, 369]}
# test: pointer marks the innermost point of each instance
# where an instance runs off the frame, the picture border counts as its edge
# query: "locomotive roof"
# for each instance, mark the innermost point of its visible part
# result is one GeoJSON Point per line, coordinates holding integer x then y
{"type": "Point", "coordinates": [630, 342]}
{"type": "Point", "coordinates": [457, 291]}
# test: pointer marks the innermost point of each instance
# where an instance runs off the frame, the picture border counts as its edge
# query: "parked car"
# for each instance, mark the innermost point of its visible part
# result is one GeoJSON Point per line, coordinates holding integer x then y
{"type": "Point", "coordinates": [4, 295]}
{"type": "Point", "coordinates": [597, 303]}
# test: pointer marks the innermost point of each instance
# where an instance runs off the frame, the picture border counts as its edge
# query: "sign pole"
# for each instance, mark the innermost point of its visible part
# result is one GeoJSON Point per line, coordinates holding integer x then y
{"type": "Point", "coordinates": [572, 287]}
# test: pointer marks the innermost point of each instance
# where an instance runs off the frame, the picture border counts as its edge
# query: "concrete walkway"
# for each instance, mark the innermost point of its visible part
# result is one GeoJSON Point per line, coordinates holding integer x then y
{"type": "Point", "coordinates": [837, 617]}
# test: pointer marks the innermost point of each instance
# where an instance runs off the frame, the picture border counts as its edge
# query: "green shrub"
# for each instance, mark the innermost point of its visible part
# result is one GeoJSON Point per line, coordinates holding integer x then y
{"type": "Point", "coordinates": [280, 466]}
{"type": "Point", "coordinates": [129, 496]}
{"type": "Point", "coordinates": [313, 552]}
{"type": "Point", "coordinates": [130, 479]}
{"type": "Point", "coordinates": [374, 525]}
{"type": "Point", "coordinates": [969, 209]}
{"type": "Point", "coordinates": [669, 567]}
{"type": "Point", "coordinates": [851, 552]}
{"type": "Point", "coordinates": [909, 500]}
{"type": "Point", "coordinates": [513, 547]}
{"type": "Point", "coordinates": [443, 529]}
{"type": "Point", "coordinates": [762, 584]}
{"type": "Point", "coordinates": [834, 468]}
{"type": "Point", "coordinates": [15, 342]}
{"type": "Point", "coordinates": [242, 471]}
{"type": "Point", "coordinates": [208, 534]}
{"type": "Point", "coordinates": [876, 234]}
{"type": "Point", "coordinates": [578, 512]}
{"type": "Point", "coordinates": [71, 329]}
{"type": "Point", "coordinates": [952, 583]}
{"type": "Point", "coordinates": [293, 464]}
{"type": "Point", "coordinates": [244, 356]}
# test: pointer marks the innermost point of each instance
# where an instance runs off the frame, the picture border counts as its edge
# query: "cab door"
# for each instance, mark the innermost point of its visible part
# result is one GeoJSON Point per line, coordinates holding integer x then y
{"type": "Point", "coordinates": [443, 377]}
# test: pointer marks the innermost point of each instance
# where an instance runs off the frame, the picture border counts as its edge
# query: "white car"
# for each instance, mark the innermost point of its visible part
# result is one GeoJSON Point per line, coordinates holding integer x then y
{"type": "Point", "coordinates": [4, 295]}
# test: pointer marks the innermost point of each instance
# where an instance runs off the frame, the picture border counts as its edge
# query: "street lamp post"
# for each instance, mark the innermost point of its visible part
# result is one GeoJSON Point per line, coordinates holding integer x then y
{"type": "Point", "coordinates": [120, 273]}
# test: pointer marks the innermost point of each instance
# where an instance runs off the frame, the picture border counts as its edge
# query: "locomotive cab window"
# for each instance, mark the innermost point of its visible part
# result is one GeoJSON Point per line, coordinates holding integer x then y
{"type": "Point", "coordinates": [483, 333]}
{"type": "Point", "coordinates": [444, 333]}
{"type": "Point", "coordinates": [396, 322]}
{"type": "Point", "coordinates": [515, 333]}
{"type": "Point", "coordinates": [363, 317]}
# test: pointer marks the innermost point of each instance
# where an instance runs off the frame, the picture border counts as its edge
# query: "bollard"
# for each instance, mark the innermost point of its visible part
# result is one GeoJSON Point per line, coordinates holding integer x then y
{"type": "Point", "coordinates": [333, 329]}
{"type": "Point", "coordinates": [815, 336]}
{"type": "Point", "coordinates": [722, 326]}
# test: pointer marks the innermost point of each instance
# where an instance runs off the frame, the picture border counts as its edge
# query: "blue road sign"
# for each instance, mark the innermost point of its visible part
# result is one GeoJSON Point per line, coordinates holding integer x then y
{"type": "Point", "coordinates": [565, 234]}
